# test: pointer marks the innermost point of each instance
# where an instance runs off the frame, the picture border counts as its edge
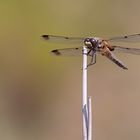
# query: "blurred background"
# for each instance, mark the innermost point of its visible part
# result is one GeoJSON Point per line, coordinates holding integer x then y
{"type": "Point", "coordinates": [40, 94]}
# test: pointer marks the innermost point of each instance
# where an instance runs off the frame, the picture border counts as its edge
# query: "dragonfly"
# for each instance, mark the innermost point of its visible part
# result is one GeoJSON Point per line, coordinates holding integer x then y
{"type": "Point", "coordinates": [95, 45]}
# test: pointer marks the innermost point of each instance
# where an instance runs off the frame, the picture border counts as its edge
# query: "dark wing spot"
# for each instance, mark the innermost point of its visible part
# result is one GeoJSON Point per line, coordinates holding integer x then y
{"type": "Point", "coordinates": [76, 48]}
{"type": "Point", "coordinates": [125, 36]}
{"type": "Point", "coordinates": [45, 37]}
{"type": "Point", "coordinates": [66, 37]}
{"type": "Point", "coordinates": [56, 52]}
{"type": "Point", "coordinates": [128, 48]}
{"type": "Point", "coordinates": [111, 49]}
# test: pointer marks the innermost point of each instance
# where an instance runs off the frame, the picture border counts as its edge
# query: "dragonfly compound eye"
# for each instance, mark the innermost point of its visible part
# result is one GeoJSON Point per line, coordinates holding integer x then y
{"type": "Point", "coordinates": [93, 41]}
{"type": "Point", "coordinates": [87, 42]}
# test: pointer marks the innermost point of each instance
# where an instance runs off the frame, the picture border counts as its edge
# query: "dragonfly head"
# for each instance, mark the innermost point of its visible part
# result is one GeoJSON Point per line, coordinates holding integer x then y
{"type": "Point", "coordinates": [91, 43]}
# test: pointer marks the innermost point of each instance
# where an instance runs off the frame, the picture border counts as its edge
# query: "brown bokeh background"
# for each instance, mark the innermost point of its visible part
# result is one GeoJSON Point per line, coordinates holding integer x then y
{"type": "Point", "coordinates": [40, 95]}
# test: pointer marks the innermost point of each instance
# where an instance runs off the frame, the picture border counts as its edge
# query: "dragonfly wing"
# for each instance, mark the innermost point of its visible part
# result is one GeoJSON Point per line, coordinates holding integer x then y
{"type": "Point", "coordinates": [113, 58]}
{"type": "Point", "coordinates": [128, 38]}
{"type": "Point", "coordinates": [68, 52]}
{"type": "Point", "coordinates": [135, 51]}
{"type": "Point", "coordinates": [63, 39]}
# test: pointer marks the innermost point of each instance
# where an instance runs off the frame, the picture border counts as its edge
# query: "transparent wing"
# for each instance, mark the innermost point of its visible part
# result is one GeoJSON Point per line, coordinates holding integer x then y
{"type": "Point", "coordinates": [67, 52]}
{"type": "Point", "coordinates": [128, 38]}
{"type": "Point", "coordinates": [63, 39]}
{"type": "Point", "coordinates": [135, 51]}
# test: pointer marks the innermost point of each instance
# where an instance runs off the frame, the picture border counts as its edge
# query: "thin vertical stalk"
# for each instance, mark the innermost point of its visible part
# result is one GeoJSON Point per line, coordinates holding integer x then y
{"type": "Point", "coordinates": [84, 103]}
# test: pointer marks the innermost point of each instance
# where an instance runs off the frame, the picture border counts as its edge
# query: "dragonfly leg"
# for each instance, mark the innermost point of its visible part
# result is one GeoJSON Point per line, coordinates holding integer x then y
{"type": "Point", "coordinates": [93, 60]}
{"type": "Point", "coordinates": [88, 53]}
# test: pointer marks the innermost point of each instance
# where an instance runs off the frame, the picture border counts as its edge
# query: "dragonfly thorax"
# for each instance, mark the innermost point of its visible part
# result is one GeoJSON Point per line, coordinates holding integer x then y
{"type": "Point", "coordinates": [91, 43]}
